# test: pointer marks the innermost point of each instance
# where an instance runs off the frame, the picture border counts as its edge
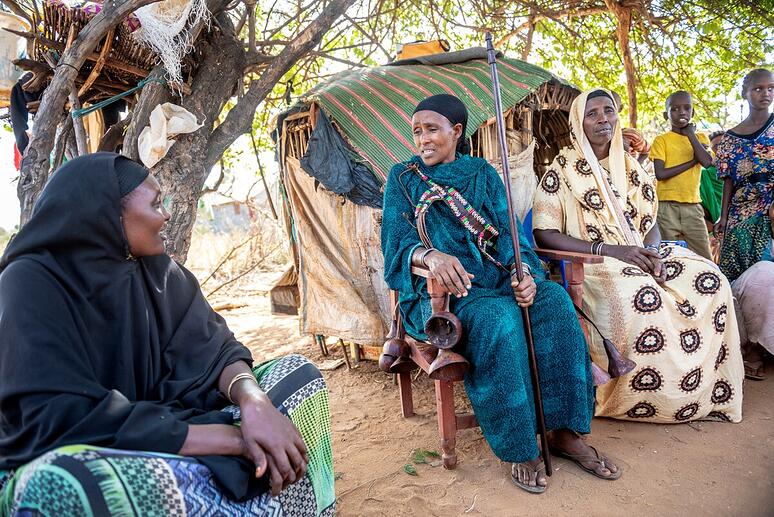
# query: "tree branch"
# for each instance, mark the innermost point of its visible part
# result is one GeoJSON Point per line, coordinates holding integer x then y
{"type": "Point", "coordinates": [624, 18]}
{"type": "Point", "coordinates": [34, 170]}
{"type": "Point", "coordinates": [240, 119]}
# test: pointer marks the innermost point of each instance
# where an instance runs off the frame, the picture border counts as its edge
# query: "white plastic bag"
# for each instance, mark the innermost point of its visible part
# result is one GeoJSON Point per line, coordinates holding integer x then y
{"type": "Point", "coordinates": [166, 122]}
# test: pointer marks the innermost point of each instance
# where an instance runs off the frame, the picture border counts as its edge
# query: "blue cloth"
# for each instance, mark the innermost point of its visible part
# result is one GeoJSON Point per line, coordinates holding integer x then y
{"type": "Point", "coordinates": [498, 380]}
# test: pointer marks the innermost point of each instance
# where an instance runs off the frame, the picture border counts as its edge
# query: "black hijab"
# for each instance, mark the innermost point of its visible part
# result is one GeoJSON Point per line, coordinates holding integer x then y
{"type": "Point", "coordinates": [454, 110]}
{"type": "Point", "coordinates": [100, 350]}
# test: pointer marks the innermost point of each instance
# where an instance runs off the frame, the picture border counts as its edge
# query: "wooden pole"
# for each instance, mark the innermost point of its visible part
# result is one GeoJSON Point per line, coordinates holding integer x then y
{"type": "Point", "coordinates": [533, 366]}
{"type": "Point", "coordinates": [80, 130]}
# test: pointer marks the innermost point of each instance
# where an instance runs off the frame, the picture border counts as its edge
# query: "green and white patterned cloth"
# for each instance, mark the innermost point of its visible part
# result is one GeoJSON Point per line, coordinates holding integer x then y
{"type": "Point", "coordinates": [82, 480]}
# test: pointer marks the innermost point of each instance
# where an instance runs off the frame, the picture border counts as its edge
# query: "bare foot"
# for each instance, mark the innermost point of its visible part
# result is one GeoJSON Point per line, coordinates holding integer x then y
{"type": "Point", "coordinates": [530, 475]}
{"type": "Point", "coordinates": [572, 445]}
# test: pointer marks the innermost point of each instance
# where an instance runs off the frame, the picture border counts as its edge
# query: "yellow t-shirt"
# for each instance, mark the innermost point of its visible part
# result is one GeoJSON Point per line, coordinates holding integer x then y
{"type": "Point", "coordinates": [674, 149]}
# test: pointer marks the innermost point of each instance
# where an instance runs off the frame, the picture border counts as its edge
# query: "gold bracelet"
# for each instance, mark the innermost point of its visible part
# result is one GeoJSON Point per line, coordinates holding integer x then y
{"type": "Point", "coordinates": [237, 377]}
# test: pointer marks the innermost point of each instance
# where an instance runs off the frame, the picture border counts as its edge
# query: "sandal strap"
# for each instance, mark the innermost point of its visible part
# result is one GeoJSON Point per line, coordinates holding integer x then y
{"type": "Point", "coordinates": [532, 471]}
{"type": "Point", "coordinates": [587, 458]}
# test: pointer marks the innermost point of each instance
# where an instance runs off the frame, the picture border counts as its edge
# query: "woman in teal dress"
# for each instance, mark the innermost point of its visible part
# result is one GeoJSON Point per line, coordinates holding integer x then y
{"type": "Point", "coordinates": [486, 299]}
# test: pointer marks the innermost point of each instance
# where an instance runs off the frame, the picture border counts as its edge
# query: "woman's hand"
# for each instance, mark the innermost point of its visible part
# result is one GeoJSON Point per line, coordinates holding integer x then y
{"type": "Point", "coordinates": [646, 259]}
{"type": "Point", "coordinates": [524, 291]}
{"type": "Point", "coordinates": [449, 272]}
{"type": "Point", "coordinates": [272, 441]}
{"type": "Point", "coordinates": [658, 270]}
{"type": "Point", "coordinates": [720, 228]}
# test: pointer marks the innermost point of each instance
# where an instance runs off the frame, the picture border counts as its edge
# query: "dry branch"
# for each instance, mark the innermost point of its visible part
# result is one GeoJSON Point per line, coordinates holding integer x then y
{"type": "Point", "coordinates": [240, 119]}
{"type": "Point", "coordinates": [34, 170]}
{"type": "Point", "coordinates": [245, 272]}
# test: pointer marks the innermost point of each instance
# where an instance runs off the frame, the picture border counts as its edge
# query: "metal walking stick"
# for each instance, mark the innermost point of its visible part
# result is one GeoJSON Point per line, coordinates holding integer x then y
{"type": "Point", "coordinates": [533, 367]}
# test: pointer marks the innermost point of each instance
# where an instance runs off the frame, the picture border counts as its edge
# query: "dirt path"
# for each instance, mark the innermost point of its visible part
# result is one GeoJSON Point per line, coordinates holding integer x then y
{"type": "Point", "coordinates": [692, 469]}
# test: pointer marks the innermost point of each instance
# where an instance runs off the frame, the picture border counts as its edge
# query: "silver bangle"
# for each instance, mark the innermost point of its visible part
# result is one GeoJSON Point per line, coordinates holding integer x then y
{"type": "Point", "coordinates": [524, 267]}
{"type": "Point", "coordinates": [238, 377]}
{"type": "Point", "coordinates": [653, 247]}
{"type": "Point", "coordinates": [424, 254]}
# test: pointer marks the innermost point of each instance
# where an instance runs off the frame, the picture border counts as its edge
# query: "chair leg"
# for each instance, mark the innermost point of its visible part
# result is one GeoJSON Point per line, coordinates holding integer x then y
{"type": "Point", "coordinates": [447, 422]}
{"type": "Point", "coordinates": [406, 398]}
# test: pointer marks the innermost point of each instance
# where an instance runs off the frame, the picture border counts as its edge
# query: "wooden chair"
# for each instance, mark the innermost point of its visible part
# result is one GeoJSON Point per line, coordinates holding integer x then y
{"type": "Point", "coordinates": [446, 367]}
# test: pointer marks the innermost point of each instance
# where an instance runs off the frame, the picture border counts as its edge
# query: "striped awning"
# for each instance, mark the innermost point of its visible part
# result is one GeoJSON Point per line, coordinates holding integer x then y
{"type": "Point", "coordinates": [373, 106]}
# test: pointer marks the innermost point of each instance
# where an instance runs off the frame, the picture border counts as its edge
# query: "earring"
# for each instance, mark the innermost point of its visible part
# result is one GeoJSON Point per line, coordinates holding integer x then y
{"type": "Point", "coordinates": [128, 254]}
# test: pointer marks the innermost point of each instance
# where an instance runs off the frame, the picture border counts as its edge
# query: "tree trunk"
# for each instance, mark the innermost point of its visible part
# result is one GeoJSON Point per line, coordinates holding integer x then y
{"type": "Point", "coordinates": [186, 167]}
{"type": "Point", "coordinates": [151, 95]}
{"type": "Point", "coordinates": [182, 172]}
{"type": "Point", "coordinates": [34, 171]}
{"type": "Point", "coordinates": [623, 27]}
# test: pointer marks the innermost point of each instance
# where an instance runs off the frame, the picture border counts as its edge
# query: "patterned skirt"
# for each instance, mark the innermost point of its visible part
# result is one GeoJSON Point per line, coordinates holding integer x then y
{"type": "Point", "coordinates": [682, 335]}
{"type": "Point", "coordinates": [81, 480]}
{"type": "Point", "coordinates": [744, 245]}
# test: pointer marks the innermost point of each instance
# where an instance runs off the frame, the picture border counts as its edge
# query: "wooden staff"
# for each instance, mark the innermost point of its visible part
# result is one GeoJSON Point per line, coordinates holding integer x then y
{"type": "Point", "coordinates": [533, 367]}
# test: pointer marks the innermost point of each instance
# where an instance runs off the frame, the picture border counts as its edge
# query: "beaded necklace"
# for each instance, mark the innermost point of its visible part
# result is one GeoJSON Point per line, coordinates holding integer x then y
{"type": "Point", "coordinates": [484, 233]}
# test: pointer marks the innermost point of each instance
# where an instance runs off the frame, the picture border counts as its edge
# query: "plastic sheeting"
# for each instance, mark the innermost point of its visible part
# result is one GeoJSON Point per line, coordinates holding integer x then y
{"type": "Point", "coordinates": [339, 169]}
{"type": "Point", "coordinates": [166, 122]}
{"type": "Point", "coordinates": [340, 279]}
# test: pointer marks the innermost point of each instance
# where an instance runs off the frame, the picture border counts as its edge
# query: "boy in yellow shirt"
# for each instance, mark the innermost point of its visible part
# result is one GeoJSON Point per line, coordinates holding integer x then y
{"type": "Point", "coordinates": [678, 157]}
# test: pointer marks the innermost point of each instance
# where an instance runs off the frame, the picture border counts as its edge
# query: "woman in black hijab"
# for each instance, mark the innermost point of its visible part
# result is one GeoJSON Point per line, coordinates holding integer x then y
{"type": "Point", "coordinates": [107, 348]}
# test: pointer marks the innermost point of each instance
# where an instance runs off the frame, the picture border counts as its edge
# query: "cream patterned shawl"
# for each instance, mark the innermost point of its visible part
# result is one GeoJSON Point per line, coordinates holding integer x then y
{"type": "Point", "coordinates": [582, 196]}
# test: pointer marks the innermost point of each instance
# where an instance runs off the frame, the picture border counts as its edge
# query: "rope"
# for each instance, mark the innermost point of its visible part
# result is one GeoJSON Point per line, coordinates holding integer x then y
{"type": "Point", "coordinates": [85, 111]}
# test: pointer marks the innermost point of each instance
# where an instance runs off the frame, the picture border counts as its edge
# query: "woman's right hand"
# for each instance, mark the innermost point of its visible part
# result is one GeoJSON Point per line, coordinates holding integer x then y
{"type": "Point", "coordinates": [720, 227]}
{"type": "Point", "coordinates": [646, 259]}
{"type": "Point", "coordinates": [448, 271]}
{"type": "Point", "coordinates": [272, 441]}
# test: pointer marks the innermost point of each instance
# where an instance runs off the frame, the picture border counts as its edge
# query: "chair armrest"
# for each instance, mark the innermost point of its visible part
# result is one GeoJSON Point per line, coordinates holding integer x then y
{"type": "Point", "coordinates": [421, 271]}
{"type": "Point", "coordinates": [437, 292]}
{"type": "Point", "coordinates": [578, 258]}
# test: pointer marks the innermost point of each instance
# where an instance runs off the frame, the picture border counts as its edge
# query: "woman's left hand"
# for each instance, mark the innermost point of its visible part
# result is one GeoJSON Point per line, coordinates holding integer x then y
{"type": "Point", "coordinates": [657, 269]}
{"type": "Point", "coordinates": [524, 291]}
{"type": "Point", "coordinates": [265, 429]}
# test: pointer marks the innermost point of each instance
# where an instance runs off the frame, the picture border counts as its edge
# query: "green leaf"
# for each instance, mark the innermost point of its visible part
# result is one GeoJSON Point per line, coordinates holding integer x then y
{"type": "Point", "coordinates": [419, 456]}
{"type": "Point", "coordinates": [410, 470]}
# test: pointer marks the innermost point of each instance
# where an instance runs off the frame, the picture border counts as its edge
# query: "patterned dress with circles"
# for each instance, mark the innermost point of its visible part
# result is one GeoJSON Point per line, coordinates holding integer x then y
{"type": "Point", "coordinates": [682, 334]}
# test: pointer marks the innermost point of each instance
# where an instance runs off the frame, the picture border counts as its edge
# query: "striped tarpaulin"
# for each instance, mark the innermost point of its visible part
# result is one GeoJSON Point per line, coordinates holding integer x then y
{"type": "Point", "coordinates": [372, 106]}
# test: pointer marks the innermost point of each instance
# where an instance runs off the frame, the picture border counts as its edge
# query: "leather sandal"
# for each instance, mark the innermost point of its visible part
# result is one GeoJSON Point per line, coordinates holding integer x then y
{"type": "Point", "coordinates": [580, 459]}
{"type": "Point", "coordinates": [754, 370]}
{"type": "Point", "coordinates": [533, 475]}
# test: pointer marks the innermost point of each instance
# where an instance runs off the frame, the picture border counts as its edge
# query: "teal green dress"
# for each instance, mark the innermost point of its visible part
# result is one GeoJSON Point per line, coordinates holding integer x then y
{"type": "Point", "coordinates": [498, 381]}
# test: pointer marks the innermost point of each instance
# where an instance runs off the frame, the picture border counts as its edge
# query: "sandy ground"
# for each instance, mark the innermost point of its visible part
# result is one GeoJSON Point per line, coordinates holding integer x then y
{"type": "Point", "coordinates": [689, 469]}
